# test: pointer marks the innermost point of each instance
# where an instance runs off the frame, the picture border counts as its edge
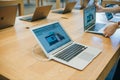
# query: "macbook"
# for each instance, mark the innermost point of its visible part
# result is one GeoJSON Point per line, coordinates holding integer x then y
{"type": "Point", "coordinates": [40, 13]}
{"type": "Point", "coordinates": [7, 16]}
{"type": "Point", "coordinates": [112, 18]}
{"type": "Point", "coordinates": [57, 45]}
{"type": "Point", "coordinates": [68, 8]}
{"type": "Point", "coordinates": [90, 25]}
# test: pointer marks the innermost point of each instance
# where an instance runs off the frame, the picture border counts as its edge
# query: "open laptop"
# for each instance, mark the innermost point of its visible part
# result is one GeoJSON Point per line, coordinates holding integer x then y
{"type": "Point", "coordinates": [90, 25]}
{"type": "Point", "coordinates": [7, 16]}
{"type": "Point", "coordinates": [39, 13]}
{"type": "Point", "coordinates": [68, 8]}
{"type": "Point", "coordinates": [57, 45]}
{"type": "Point", "coordinates": [112, 18]}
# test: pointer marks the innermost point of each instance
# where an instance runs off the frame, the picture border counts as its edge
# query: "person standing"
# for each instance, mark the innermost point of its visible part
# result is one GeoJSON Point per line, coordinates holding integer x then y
{"type": "Point", "coordinates": [110, 30]}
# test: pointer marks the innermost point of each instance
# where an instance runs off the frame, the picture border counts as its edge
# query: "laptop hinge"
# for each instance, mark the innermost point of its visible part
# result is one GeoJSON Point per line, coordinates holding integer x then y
{"type": "Point", "coordinates": [90, 27]}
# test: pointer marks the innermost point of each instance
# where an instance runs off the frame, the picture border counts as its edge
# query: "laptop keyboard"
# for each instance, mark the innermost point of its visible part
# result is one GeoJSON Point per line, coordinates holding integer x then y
{"type": "Point", "coordinates": [70, 52]}
{"type": "Point", "coordinates": [97, 27]}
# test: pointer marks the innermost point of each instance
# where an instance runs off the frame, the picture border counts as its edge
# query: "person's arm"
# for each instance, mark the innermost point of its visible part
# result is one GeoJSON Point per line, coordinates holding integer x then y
{"type": "Point", "coordinates": [113, 9]}
{"type": "Point", "coordinates": [110, 29]}
{"type": "Point", "coordinates": [105, 9]}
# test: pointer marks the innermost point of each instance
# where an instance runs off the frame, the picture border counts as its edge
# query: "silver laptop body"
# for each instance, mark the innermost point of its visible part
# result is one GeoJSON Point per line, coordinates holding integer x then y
{"type": "Point", "coordinates": [39, 13]}
{"type": "Point", "coordinates": [90, 25]}
{"type": "Point", "coordinates": [112, 18]}
{"type": "Point", "coordinates": [57, 45]}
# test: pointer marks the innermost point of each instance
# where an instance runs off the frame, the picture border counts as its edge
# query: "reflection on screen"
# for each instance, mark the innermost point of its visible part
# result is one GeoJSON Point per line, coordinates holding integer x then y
{"type": "Point", "coordinates": [89, 16]}
{"type": "Point", "coordinates": [54, 38]}
{"type": "Point", "coordinates": [51, 36]}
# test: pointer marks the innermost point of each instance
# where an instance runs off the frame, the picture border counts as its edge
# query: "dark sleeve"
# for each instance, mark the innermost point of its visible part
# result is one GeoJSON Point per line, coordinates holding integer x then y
{"type": "Point", "coordinates": [117, 71]}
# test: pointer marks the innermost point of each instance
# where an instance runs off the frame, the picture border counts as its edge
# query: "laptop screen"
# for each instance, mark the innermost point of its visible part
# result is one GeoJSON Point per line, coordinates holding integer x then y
{"type": "Point", "coordinates": [89, 16]}
{"type": "Point", "coordinates": [109, 15]}
{"type": "Point", "coordinates": [51, 36]}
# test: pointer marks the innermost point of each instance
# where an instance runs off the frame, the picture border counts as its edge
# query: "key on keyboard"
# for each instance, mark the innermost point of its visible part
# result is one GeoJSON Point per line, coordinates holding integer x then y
{"type": "Point", "coordinates": [70, 52]}
{"type": "Point", "coordinates": [97, 27]}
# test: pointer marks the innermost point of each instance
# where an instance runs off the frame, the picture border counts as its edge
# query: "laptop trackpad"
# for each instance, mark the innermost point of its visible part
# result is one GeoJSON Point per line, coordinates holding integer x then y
{"type": "Point", "coordinates": [86, 56]}
{"type": "Point", "coordinates": [82, 60]}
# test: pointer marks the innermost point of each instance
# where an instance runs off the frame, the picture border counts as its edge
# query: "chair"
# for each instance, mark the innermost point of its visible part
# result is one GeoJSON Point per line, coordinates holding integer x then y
{"type": "Point", "coordinates": [9, 2]}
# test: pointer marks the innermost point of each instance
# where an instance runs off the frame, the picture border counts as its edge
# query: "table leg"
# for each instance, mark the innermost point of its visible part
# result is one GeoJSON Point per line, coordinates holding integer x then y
{"type": "Point", "coordinates": [41, 2]}
{"type": "Point", "coordinates": [21, 7]}
{"type": "Point", "coordinates": [57, 4]}
{"type": "Point", "coordinates": [37, 3]}
{"type": "Point", "coordinates": [28, 1]}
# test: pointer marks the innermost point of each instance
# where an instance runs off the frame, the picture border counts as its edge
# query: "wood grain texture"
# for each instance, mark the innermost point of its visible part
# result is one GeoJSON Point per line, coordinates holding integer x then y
{"type": "Point", "coordinates": [18, 63]}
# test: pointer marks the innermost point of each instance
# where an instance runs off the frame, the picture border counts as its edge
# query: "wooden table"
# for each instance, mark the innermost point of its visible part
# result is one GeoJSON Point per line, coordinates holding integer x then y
{"type": "Point", "coordinates": [17, 62]}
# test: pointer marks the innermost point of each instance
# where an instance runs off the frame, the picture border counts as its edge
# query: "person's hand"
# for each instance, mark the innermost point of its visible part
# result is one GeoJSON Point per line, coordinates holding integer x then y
{"type": "Point", "coordinates": [99, 8]}
{"type": "Point", "coordinates": [110, 29]}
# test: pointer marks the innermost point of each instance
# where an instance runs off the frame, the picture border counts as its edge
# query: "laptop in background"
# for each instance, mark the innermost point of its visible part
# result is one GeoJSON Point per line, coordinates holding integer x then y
{"type": "Point", "coordinates": [39, 13]}
{"type": "Point", "coordinates": [7, 16]}
{"type": "Point", "coordinates": [112, 18]}
{"type": "Point", "coordinates": [57, 45]}
{"type": "Point", "coordinates": [68, 8]}
{"type": "Point", "coordinates": [90, 24]}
